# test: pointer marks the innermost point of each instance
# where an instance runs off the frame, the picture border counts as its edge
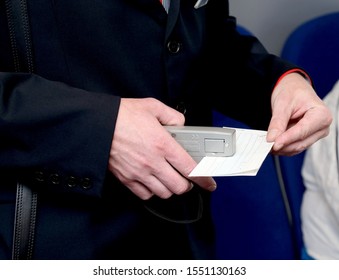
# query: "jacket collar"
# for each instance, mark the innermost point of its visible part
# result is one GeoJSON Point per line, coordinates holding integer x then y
{"type": "Point", "coordinates": [153, 8]}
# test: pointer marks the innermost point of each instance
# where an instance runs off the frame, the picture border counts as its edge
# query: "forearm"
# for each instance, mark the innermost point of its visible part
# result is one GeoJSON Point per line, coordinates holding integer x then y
{"type": "Point", "coordinates": [50, 130]}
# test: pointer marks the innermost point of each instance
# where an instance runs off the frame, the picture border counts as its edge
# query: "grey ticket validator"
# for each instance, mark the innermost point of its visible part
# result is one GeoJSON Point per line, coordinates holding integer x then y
{"type": "Point", "coordinates": [201, 141]}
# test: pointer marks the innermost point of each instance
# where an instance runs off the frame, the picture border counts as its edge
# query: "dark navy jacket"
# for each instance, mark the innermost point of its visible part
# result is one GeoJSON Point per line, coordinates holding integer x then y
{"type": "Point", "coordinates": [57, 125]}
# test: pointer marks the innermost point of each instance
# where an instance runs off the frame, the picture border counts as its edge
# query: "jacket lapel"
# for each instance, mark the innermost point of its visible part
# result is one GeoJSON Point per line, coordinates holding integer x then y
{"type": "Point", "coordinates": [152, 8]}
{"type": "Point", "coordinates": [172, 16]}
{"type": "Point", "coordinates": [155, 9]}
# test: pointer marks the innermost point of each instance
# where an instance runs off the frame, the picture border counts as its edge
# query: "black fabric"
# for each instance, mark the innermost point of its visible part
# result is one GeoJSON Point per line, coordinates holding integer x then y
{"type": "Point", "coordinates": [19, 31]}
{"type": "Point", "coordinates": [57, 125]}
{"type": "Point", "coordinates": [26, 198]}
{"type": "Point", "coordinates": [24, 223]}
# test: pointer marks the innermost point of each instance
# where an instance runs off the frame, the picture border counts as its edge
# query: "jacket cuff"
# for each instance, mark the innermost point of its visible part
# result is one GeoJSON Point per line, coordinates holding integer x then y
{"type": "Point", "coordinates": [295, 70]}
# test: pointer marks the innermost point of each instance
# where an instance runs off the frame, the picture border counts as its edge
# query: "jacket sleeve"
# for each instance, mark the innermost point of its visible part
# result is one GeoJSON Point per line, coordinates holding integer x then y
{"type": "Point", "coordinates": [55, 136]}
{"type": "Point", "coordinates": [242, 72]}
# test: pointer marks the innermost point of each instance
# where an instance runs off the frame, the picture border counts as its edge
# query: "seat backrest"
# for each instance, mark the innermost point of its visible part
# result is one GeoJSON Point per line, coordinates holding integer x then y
{"type": "Point", "coordinates": [314, 45]}
{"type": "Point", "coordinates": [252, 215]}
{"type": "Point", "coordinates": [243, 30]}
{"type": "Point", "coordinates": [259, 217]}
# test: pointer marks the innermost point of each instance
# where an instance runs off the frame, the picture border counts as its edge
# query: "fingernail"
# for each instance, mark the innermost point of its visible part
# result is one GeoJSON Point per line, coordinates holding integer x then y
{"type": "Point", "coordinates": [212, 187]}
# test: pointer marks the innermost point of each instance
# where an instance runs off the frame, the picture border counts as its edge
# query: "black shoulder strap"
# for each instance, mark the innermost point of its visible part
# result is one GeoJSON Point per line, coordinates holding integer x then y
{"type": "Point", "coordinates": [26, 198]}
{"type": "Point", "coordinates": [24, 223]}
{"type": "Point", "coordinates": [20, 35]}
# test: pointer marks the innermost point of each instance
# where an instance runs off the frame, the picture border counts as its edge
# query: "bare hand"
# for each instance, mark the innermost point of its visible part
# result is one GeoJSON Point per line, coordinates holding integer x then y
{"type": "Point", "coordinates": [145, 157]}
{"type": "Point", "coordinates": [299, 116]}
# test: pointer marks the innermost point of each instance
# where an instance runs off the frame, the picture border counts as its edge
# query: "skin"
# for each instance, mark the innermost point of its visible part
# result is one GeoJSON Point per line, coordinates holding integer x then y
{"type": "Point", "coordinates": [153, 163]}
{"type": "Point", "coordinates": [299, 116]}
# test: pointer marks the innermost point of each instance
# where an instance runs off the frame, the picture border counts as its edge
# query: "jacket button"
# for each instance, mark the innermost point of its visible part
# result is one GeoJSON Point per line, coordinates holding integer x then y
{"type": "Point", "coordinates": [86, 183]}
{"type": "Point", "coordinates": [71, 182]}
{"type": "Point", "coordinates": [54, 179]}
{"type": "Point", "coordinates": [39, 177]}
{"type": "Point", "coordinates": [174, 46]}
{"type": "Point", "coordinates": [181, 107]}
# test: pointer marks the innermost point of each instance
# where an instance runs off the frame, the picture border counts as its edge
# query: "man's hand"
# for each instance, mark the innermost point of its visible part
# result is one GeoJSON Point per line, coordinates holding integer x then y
{"type": "Point", "coordinates": [145, 157]}
{"type": "Point", "coordinates": [299, 116]}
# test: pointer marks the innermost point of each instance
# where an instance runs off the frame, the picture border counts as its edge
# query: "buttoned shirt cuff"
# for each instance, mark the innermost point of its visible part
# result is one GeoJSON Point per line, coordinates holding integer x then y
{"type": "Point", "coordinates": [295, 70]}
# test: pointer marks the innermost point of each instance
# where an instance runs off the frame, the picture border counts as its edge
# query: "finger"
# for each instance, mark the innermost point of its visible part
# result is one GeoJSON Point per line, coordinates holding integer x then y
{"type": "Point", "coordinates": [312, 127]}
{"type": "Point", "coordinates": [140, 190]}
{"type": "Point", "coordinates": [157, 187]}
{"type": "Point", "coordinates": [299, 146]}
{"type": "Point", "coordinates": [278, 123]}
{"type": "Point", "coordinates": [184, 164]}
{"type": "Point", "coordinates": [172, 179]}
{"type": "Point", "coordinates": [207, 183]}
{"type": "Point", "coordinates": [165, 114]}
